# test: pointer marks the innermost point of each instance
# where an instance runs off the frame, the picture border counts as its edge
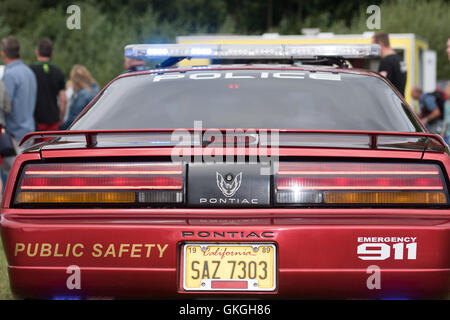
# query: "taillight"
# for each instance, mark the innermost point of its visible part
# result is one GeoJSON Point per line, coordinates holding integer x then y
{"type": "Point", "coordinates": [101, 183]}
{"type": "Point", "coordinates": [330, 183]}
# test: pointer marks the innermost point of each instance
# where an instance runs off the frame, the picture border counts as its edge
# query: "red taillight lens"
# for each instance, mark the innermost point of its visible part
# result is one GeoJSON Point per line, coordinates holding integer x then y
{"type": "Point", "coordinates": [101, 182]}
{"type": "Point", "coordinates": [359, 183]}
{"type": "Point", "coordinates": [80, 183]}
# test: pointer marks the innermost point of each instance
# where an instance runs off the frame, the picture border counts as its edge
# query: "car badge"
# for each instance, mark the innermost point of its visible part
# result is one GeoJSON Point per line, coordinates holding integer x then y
{"type": "Point", "coordinates": [228, 188]}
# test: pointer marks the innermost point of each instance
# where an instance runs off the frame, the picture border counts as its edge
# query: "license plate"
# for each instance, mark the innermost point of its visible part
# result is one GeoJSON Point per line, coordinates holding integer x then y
{"type": "Point", "coordinates": [230, 266]}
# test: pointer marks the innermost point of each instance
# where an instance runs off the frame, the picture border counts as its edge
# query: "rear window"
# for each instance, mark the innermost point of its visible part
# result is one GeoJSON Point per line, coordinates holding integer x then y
{"type": "Point", "coordinates": [266, 99]}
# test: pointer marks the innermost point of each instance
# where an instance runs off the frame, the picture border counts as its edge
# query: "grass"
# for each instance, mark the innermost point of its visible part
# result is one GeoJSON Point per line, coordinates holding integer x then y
{"type": "Point", "coordinates": [5, 292]}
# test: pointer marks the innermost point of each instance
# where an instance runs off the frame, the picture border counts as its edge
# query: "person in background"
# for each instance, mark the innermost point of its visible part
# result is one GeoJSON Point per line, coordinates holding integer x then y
{"type": "Point", "coordinates": [51, 99]}
{"type": "Point", "coordinates": [21, 86]}
{"type": "Point", "coordinates": [430, 113]}
{"type": "Point", "coordinates": [132, 65]}
{"type": "Point", "coordinates": [85, 89]}
{"type": "Point", "coordinates": [5, 108]}
{"type": "Point", "coordinates": [446, 130]}
{"type": "Point", "coordinates": [69, 96]}
{"type": "Point", "coordinates": [448, 48]}
{"type": "Point", "coordinates": [392, 67]}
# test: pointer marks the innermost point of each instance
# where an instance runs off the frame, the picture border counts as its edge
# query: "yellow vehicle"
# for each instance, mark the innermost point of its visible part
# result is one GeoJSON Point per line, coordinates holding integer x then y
{"type": "Point", "coordinates": [420, 61]}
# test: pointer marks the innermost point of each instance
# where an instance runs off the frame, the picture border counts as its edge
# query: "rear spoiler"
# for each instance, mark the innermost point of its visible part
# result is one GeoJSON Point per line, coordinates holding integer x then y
{"type": "Point", "coordinates": [286, 138]}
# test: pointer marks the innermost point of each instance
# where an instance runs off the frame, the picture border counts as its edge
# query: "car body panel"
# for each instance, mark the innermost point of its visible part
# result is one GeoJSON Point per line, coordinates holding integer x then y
{"type": "Point", "coordinates": [317, 255]}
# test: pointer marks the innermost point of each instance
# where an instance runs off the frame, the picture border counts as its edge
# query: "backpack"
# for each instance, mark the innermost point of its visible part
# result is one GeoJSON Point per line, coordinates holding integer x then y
{"type": "Point", "coordinates": [440, 101]}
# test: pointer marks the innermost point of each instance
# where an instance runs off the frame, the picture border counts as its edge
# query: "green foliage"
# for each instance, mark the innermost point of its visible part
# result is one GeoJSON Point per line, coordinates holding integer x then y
{"type": "Point", "coordinates": [108, 25]}
{"type": "Point", "coordinates": [98, 44]}
{"type": "Point", "coordinates": [4, 29]}
{"type": "Point", "coordinates": [427, 19]}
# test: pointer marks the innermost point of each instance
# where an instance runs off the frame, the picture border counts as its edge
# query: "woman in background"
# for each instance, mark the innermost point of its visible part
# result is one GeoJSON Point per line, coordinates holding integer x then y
{"type": "Point", "coordinates": [85, 88]}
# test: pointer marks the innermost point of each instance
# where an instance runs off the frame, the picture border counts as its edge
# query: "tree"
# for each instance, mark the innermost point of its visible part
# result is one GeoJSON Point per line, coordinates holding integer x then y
{"type": "Point", "coordinates": [108, 25]}
{"type": "Point", "coordinates": [426, 19]}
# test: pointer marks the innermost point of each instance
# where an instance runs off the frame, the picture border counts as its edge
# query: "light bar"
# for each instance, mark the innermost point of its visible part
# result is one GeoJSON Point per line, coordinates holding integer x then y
{"type": "Point", "coordinates": [252, 51]}
{"type": "Point", "coordinates": [344, 50]}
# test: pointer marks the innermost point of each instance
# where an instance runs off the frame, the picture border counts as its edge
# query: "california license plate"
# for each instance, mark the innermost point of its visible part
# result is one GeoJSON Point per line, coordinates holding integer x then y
{"type": "Point", "coordinates": [230, 266]}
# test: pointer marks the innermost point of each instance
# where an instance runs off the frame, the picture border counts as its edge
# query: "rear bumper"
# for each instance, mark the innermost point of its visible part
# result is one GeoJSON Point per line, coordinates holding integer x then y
{"type": "Point", "coordinates": [126, 256]}
{"type": "Point", "coordinates": [148, 283]}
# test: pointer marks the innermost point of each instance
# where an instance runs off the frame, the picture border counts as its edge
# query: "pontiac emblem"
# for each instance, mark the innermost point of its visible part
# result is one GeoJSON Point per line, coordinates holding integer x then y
{"type": "Point", "coordinates": [228, 188]}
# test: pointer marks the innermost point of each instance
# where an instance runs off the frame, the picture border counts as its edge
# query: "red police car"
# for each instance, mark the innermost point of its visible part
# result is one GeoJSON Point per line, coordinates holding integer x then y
{"type": "Point", "coordinates": [296, 180]}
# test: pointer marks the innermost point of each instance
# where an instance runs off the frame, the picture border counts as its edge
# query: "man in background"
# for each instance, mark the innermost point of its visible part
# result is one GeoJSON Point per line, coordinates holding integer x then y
{"type": "Point", "coordinates": [21, 86]}
{"type": "Point", "coordinates": [5, 108]}
{"type": "Point", "coordinates": [132, 65]}
{"type": "Point", "coordinates": [51, 98]}
{"type": "Point", "coordinates": [392, 67]}
{"type": "Point", "coordinates": [431, 112]}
